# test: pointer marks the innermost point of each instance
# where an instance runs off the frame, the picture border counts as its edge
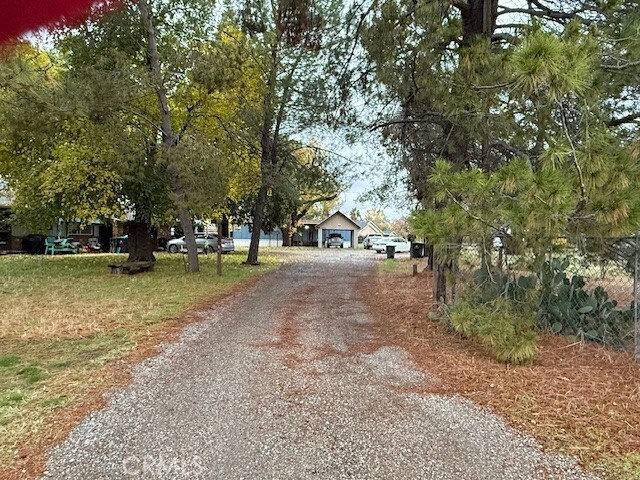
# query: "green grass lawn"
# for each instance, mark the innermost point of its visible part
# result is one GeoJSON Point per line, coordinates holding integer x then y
{"type": "Point", "coordinates": [63, 318]}
{"type": "Point", "coordinates": [399, 265]}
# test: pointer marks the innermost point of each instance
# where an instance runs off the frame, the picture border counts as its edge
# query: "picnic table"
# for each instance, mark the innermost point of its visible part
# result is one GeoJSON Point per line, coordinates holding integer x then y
{"type": "Point", "coordinates": [60, 245]}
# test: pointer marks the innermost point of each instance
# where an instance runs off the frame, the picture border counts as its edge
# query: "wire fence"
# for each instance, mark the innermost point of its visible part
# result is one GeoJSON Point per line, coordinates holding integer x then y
{"type": "Point", "coordinates": [586, 287]}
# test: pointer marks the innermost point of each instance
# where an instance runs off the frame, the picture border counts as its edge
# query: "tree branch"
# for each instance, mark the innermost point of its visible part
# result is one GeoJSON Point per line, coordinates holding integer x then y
{"type": "Point", "coordinates": [467, 210]}
{"type": "Point", "coordinates": [460, 5]}
{"type": "Point", "coordinates": [545, 13]}
{"type": "Point", "coordinates": [583, 189]}
{"type": "Point", "coordinates": [188, 118]}
{"type": "Point", "coordinates": [622, 66]}
{"type": "Point", "coordinates": [631, 118]}
{"type": "Point", "coordinates": [405, 121]}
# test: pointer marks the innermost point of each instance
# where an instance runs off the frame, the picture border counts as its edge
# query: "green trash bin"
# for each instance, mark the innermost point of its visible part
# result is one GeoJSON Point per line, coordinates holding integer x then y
{"type": "Point", "coordinates": [391, 251]}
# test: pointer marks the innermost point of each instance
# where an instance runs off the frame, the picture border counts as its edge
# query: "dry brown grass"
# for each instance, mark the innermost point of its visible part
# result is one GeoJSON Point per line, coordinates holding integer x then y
{"type": "Point", "coordinates": [48, 316]}
{"type": "Point", "coordinates": [581, 399]}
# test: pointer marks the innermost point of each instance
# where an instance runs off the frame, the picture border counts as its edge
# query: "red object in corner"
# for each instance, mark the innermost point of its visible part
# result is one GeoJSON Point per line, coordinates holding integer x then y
{"type": "Point", "coordinates": [20, 16]}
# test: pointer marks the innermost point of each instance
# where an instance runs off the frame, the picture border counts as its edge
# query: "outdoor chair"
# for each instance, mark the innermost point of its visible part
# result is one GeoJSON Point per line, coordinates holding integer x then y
{"type": "Point", "coordinates": [49, 245]}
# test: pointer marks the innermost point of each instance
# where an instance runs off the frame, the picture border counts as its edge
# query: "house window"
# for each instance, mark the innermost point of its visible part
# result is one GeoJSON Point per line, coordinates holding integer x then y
{"type": "Point", "coordinates": [81, 229]}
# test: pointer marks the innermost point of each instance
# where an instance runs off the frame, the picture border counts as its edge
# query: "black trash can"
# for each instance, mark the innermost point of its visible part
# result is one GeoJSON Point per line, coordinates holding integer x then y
{"type": "Point", "coordinates": [391, 251]}
{"type": "Point", "coordinates": [417, 250]}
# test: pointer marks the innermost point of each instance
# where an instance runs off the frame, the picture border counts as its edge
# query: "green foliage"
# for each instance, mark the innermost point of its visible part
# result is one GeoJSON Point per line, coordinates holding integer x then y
{"type": "Point", "coordinates": [567, 308]}
{"type": "Point", "coordinates": [517, 203]}
{"type": "Point", "coordinates": [500, 312]}
{"type": "Point", "coordinates": [378, 217]}
{"type": "Point", "coordinates": [505, 330]}
{"type": "Point", "coordinates": [545, 64]}
{"type": "Point", "coordinates": [504, 311]}
{"type": "Point", "coordinates": [82, 137]}
{"type": "Point", "coordinates": [489, 287]}
{"type": "Point", "coordinates": [530, 206]}
{"type": "Point", "coordinates": [512, 131]}
{"type": "Point", "coordinates": [310, 180]}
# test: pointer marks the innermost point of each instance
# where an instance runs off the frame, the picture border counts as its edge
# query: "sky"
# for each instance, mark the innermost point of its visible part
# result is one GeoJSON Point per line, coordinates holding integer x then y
{"type": "Point", "coordinates": [365, 163]}
{"type": "Point", "coordinates": [367, 178]}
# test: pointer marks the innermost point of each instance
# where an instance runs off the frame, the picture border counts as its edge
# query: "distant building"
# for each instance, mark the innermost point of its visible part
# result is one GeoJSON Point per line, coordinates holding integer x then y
{"type": "Point", "coordinates": [338, 223]}
{"type": "Point", "coordinates": [369, 228]}
{"type": "Point", "coordinates": [241, 235]}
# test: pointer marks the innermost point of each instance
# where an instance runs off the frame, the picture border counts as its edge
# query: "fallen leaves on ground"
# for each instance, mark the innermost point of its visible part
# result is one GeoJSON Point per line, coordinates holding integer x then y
{"type": "Point", "coordinates": [581, 399]}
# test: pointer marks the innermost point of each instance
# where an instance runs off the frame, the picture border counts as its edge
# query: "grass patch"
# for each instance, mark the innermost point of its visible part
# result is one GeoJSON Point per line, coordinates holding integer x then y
{"type": "Point", "coordinates": [9, 360]}
{"type": "Point", "coordinates": [31, 374]}
{"type": "Point", "coordinates": [64, 318]}
{"type": "Point", "coordinates": [395, 265]}
{"type": "Point", "coordinates": [11, 399]}
{"type": "Point", "coordinates": [387, 265]}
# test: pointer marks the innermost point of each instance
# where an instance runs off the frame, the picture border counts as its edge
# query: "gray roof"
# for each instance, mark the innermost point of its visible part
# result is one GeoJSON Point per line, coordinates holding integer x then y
{"type": "Point", "coordinates": [361, 223]}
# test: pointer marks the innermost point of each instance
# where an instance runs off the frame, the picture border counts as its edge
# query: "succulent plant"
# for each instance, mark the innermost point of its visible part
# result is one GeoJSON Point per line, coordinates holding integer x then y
{"type": "Point", "coordinates": [568, 309]}
{"type": "Point", "coordinates": [563, 305]}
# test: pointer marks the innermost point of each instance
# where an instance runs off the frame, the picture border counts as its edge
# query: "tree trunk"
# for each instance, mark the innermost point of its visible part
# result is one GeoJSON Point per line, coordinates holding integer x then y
{"type": "Point", "coordinates": [440, 282]}
{"type": "Point", "coordinates": [139, 242]}
{"type": "Point", "coordinates": [289, 230]}
{"type": "Point", "coordinates": [430, 256]}
{"type": "Point", "coordinates": [169, 140]}
{"type": "Point", "coordinates": [286, 236]}
{"type": "Point", "coordinates": [258, 212]}
{"type": "Point", "coordinates": [190, 239]}
{"type": "Point", "coordinates": [224, 227]}
{"type": "Point", "coordinates": [270, 134]}
{"type": "Point", "coordinates": [478, 19]}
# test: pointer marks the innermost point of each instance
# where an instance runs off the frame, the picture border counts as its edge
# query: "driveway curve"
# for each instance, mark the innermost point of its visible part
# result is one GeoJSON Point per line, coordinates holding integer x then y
{"type": "Point", "coordinates": [278, 382]}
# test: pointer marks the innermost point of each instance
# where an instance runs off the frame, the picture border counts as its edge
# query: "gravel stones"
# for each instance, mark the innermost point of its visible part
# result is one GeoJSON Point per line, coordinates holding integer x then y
{"type": "Point", "coordinates": [272, 384]}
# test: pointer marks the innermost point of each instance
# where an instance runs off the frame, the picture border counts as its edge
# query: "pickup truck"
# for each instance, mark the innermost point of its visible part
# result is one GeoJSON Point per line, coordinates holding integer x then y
{"type": "Point", "coordinates": [335, 240]}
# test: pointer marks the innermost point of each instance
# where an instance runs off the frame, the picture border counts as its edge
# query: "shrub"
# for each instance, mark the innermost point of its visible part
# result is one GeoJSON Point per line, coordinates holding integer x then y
{"type": "Point", "coordinates": [503, 311]}
{"type": "Point", "coordinates": [506, 331]}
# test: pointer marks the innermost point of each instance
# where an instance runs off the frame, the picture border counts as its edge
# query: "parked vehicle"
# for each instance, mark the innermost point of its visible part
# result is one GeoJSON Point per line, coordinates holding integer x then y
{"type": "Point", "coordinates": [375, 241]}
{"type": "Point", "coordinates": [401, 244]}
{"type": "Point", "coordinates": [206, 242]}
{"type": "Point", "coordinates": [335, 240]}
{"type": "Point", "coordinates": [368, 240]}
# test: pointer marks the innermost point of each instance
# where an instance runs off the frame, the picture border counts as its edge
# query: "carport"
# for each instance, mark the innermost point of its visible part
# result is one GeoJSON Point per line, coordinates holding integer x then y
{"type": "Point", "coordinates": [339, 223]}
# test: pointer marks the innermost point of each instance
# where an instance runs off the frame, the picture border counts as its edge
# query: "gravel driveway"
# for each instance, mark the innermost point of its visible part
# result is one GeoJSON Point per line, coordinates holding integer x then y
{"type": "Point", "coordinates": [275, 383]}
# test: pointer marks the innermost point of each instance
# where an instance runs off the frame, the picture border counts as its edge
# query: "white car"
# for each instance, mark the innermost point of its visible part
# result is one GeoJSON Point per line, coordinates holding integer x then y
{"type": "Point", "coordinates": [376, 241]}
{"type": "Point", "coordinates": [206, 242]}
{"type": "Point", "coordinates": [401, 244]}
{"type": "Point", "coordinates": [369, 239]}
